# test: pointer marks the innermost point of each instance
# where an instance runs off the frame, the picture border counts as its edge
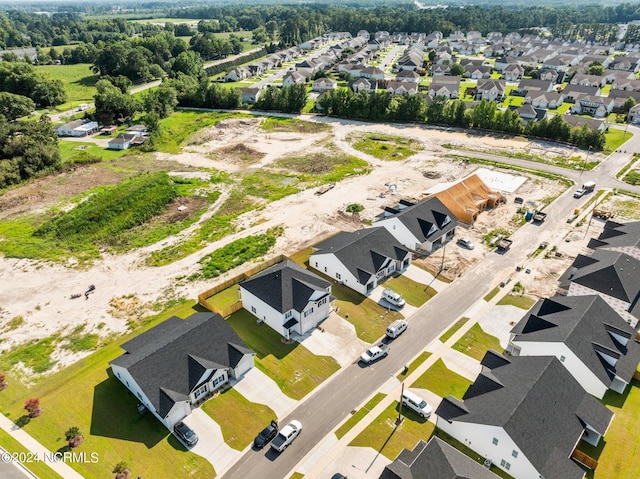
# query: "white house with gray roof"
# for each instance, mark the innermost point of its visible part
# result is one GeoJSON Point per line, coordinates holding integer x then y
{"type": "Point", "coordinates": [361, 259]}
{"type": "Point", "coordinates": [288, 298]}
{"type": "Point", "coordinates": [423, 226]}
{"type": "Point", "coordinates": [173, 367]}
{"type": "Point", "coordinates": [527, 415]}
{"type": "Point", "coordinates": [589, 338]}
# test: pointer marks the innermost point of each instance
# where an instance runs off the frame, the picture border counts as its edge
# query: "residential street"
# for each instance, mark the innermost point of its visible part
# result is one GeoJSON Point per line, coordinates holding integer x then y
{"type": "Point", "coordinates": [327, 406]}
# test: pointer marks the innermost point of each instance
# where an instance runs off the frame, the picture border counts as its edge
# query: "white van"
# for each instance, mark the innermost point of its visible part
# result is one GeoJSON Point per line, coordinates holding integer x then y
{"type": "Point", "coordinates": [392, 297]}
{"type": "Point", "coordinates": [396, 328]}
{"type": "Point", "coordinates": [416, 404]}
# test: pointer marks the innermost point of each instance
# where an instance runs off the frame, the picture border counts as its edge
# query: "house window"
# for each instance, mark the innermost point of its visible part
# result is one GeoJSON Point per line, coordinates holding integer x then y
{"type": "Point", "coordinates": [495, 441]}
{"type": "Point", "coordinates": [288, 314]}
{"type": "Point", "coordinates": [514, 453]}
{"type": "Point", "coordinates": [562, 358]}
{"type": "Point", "coordinates": [253, 309]}
{"type": "Point", "coordinates": [219, 380]}
{"type": "Point", "coordinates": [338, 276]}
{"type": "Point", "coordinates": [200, 391]}
{"type": "Point", "coordinates": [308, 312]}
{"type": "Point", "coordinates": [322, 301]}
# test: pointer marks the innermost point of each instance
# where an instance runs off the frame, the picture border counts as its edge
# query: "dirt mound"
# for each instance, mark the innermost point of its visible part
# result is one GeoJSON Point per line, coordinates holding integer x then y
{"type": "Point", "coordinates": [237, 153]}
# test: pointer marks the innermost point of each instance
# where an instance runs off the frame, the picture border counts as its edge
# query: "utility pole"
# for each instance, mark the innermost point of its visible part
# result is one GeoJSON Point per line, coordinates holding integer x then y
{"type": "Point", "coordinates": [399, 418]}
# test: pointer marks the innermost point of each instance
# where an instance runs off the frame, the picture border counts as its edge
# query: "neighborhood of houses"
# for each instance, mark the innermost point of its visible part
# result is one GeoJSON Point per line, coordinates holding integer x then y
{"type": "Point", "coordinates": [527, 411]}
{"type": "Point", "coordinates": [545, 73]}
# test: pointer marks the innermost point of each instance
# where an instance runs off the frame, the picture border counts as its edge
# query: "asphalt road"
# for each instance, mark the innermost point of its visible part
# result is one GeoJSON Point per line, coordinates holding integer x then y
{"type": "Point", "coordinates": [330, 403]}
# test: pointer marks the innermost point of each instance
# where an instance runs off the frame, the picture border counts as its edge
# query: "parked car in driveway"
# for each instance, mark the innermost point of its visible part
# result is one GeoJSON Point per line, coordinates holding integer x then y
{"type": "Point", "coordinates": [185, 434]}
{"type": "Point", "coordinates": [286, 436]}
{"type": "Point", "coordinates": [266, 435]}
{"type": "Point", "coordinates": [392, 297]}
{"type": "Point", "coordinates": [466, 243]}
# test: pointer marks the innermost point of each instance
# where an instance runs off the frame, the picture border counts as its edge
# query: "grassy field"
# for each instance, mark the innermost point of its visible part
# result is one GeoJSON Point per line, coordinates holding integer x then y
{"type": "Point", "coordinates": [182, 124]}
{"type": "Point", "coordinates": [240, 419]}
{"type": "Point", "coordinates": [71, 151]}
{"type": "Point", "coordinates": [236, 253]}
{"type": "Point", "coordinates": [88, 396]}
{"type": "Point", "coordinates": [327, 166]}
{"type": "Point", "coordinates": [294, 125]}
{"type": "Point", "coordinates": [442, 381]}
{"type": "Point", "coordinates": [79, 82]}
{"type": "Point", "coordinates": [40, 469]}
{"type": "Point", "coordinates": [359, 414]}
{"type": "Point", "coordinates": [292, 366]}
{"type": "Point", "coordinates": [614, 139]}
{"type": "Point", "coordinates": [424, 355]}
{"type": "Point", "coordinates": [414, 293]}
{"type": "Point", "coordinates": [385, 147]}
{"type": "Point", "coordinates": [453, 329]}
{"type": "Point", "coordinates": [383, 435]}
{"type": "Point", "coordinates": [522, 302]}
{"type": "Point", "coordinates": [476, 343]}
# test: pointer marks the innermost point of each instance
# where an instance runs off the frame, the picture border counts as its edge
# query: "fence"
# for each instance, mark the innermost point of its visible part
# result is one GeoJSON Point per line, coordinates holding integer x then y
{"type": "Point", "coordinates": [203, 298]}
{"type": "Point", "coordinates": [582, 458]}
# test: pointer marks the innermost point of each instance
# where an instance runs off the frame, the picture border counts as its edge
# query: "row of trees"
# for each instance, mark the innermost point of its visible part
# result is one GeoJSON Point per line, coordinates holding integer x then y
{"type": "Point", "coordinates": [21, 78]}
{"type": "Point", "coordinates": [382, 106]}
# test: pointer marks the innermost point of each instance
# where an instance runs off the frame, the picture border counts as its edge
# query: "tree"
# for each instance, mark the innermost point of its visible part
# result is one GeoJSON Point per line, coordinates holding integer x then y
{"type": "Point", "coordinates": [628, 104]}
{"type": "Point", "coordinates": [188, 63]}
{"type": "Point", "coordinates": [74, 437]}
{"type": "Point", "coordinates": [161, 100]}
{"type": "Point", "coordinates": [121, 471]}
{"type": "Point", "coordinates": [457, 70]}
{"type": "Point", "coordinates": [596, 68]}
{"type": "Point", "coordinates": [32, 406]}
{"type": "Point", "coordinates": [354, 208]}
{"type": "Point", "coordinates": [15, 106]}
{"type": "Point", "coordinates": [112, 103]}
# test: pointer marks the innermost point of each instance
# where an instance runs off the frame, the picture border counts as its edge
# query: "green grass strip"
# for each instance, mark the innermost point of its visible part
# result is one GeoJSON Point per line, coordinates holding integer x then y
{"type": "Point", "coordinates": [453, 329]}
{"type": "Point", "coordinates": [360, 413]}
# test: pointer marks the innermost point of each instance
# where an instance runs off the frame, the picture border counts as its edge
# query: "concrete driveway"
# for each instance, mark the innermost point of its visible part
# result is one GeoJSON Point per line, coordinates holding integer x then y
{"type": "Point", "coordinates": [376, 295]}
{"type": "Point", "coordinates": [211, 444]}
{"type": "Point", "coordinates": [257, 387]}
{"type": "Point", "coordinates": [421, 276]}
{"type": "Point", "coordinates": [336, 337]}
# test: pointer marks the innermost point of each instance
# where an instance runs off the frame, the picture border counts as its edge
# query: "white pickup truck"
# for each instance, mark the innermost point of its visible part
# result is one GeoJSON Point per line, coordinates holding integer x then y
{"type": "Point", "coordinates": [374, 353]}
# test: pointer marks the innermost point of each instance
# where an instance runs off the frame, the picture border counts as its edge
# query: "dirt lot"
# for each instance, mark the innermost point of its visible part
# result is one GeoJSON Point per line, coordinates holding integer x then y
{"type": "Point", "coordinates": [238, 146]}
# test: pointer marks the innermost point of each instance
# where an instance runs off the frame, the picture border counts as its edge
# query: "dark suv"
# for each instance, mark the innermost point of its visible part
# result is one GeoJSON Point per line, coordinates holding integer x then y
{"type": "Point", "coordinates": [266, 435]}
{"type": "Point", "coordinates": [186, 434]}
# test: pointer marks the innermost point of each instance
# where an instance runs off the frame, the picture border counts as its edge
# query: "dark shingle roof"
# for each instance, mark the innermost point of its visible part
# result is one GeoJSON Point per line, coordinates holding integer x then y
{"type": "Point", "coordinates": [618, 234]}
{"type": "Point", "coordinates": [540, 406]}
{"type": "Point", "coordinates": [427, 220]}
{"type": "Point", "coordinates": [168, 361]}
{"type": "Point", "coordinates": [285, 286]}
{"type": "Point", "coordinates": [363, 252]}
{"type": "Point", "coordinates": [610, 272]}
{"type": "Point", "coordinates": [586, 325]}
{"type": "Point", "coordinates": [435, 460]}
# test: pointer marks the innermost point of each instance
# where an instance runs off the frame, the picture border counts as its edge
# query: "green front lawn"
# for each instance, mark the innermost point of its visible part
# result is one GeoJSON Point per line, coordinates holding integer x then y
{"type": "Point", "coordinates": [87, 395]}
{"type": "Point", "coordinates": [70, 151]}
{"type": "Point", "coordinates": [414, 293]}
{"type": "Point", "coordinates": [615, 138]}
{"type": "Point", "coordinates": [292, 366]}
{"type": "Point", "coordinates": [491, 294]}
{"type": "Point", "coordinates": [522, 302]}
{"type": "Point", "coordinates": [424, 355]}
{"type": "Point", "coordinates": [40, 469]}
{"type": "Point", "coordinates": [358, 415]}
{"type": "Point", "coordinates": [389, 440]}
{"type": "Point", "coordinates": [442, 381]}
{"type": "Point", "coordinates": [369, 318]}
{"type": "Point", "coordinates": [239, 419]}
{"type": "Point", "coordinates": [476, 343]}
{"type": "Point", "coordinates": [453, 329]}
